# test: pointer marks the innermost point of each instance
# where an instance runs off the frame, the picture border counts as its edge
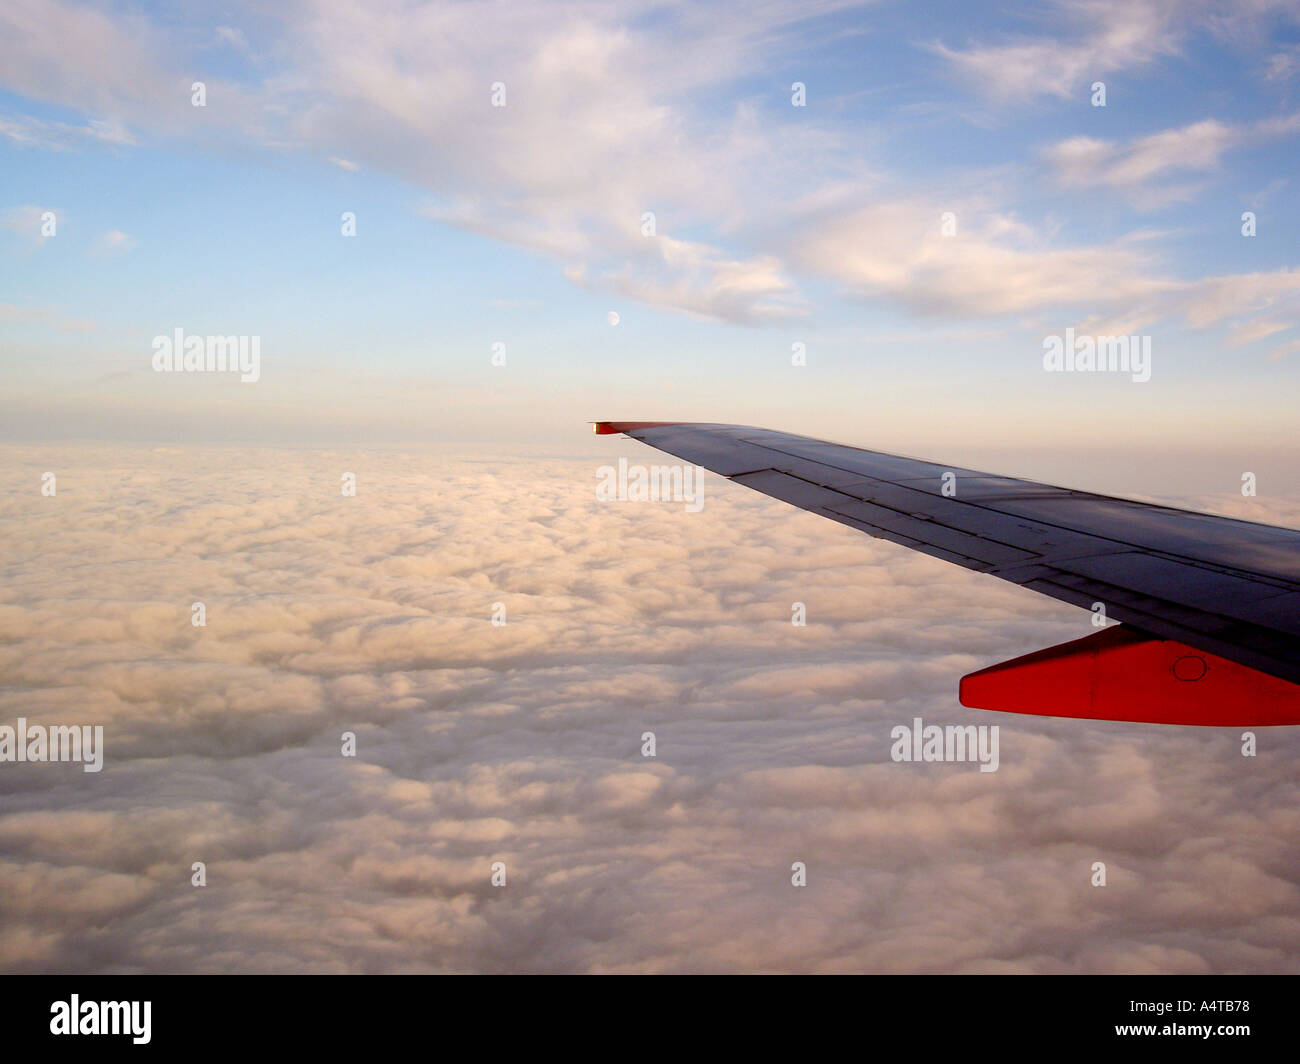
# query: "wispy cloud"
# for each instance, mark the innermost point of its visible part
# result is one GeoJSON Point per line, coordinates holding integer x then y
{"type": "Point", "coordinates": [995, 265]}
{"type": "Point", "coordinates": [610, 115]}
{"type": "Point", "coordinates": [1097, 38]}
{"type": "Point", "coordinates": [1088, 162]}
{"type": "Point", "coordinates": [233, 37]}
{"type": "Point", "coordinates": [114, 242]}
{"type": "Point", "coordinates": [52, 317]}
{"type": "Point", "coordinates": [31, 223]}
{"type": "Point", "coordinates": [596, 127]}
{"type": "Point", "coordinates": [1283, 65]}
{"type": "Point", "coordinates": [28, 132]}
{"type": "Point", "coordinates": [1137, 168]}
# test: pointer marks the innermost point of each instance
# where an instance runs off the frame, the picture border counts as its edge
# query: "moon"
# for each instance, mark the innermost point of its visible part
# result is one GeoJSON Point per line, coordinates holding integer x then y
{"type": "Point", "coordinates": [612, 317]}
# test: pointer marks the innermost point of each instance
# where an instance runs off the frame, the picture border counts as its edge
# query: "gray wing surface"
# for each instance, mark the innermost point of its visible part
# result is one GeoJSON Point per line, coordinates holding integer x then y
{"type": "Point", "coordinates": [1222, 585]}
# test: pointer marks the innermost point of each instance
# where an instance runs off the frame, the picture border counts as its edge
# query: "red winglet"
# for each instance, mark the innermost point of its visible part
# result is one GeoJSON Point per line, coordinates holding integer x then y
{"type": "Point", "coordinates": [609, 428]}
{"type": "Point", "coordinates": [1121, 674]}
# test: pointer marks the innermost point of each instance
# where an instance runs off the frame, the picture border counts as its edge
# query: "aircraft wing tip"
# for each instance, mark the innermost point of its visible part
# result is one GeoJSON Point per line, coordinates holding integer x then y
{"type": "Point", "coordinates": [611, 428]}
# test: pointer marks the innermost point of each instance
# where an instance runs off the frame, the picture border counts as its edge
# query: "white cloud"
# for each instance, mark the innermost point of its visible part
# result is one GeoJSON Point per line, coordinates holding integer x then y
{"type": "Point", "coordinates": [1285, 350]}
{"type": "Point", "coordinates": [894, 251]}
{"type": "Point", "coordinates": [1136, 168]}
{"type": "Point", "coordinates": [1256, 330]}
{"type": "Point", "coordinates": [1093, 39]}
{"type": "Point", "coordinates": [28, 132]}
{"type": "Point", "coordinates": [1086, 161]}
{"type": "Point", "coordinates": [522, 743]}
{"type": "Point", "coordinates": [120, 67]}
{"type": "Point", "coordinates": [603, 123]}
{"type": "Point", "coordinates": [1098, 38]}
{"type": "Point", "coordinates": [698, 279]}
{"type": "Point", "coordinates": [81, 57]}
{"type": "Point", "coordinates": [28, 222]}
{"type": "Point", "coordinates": [994, 265]}
{"type": "Point", "coordinates": [1283, 65]}
{"type": "Point", "coordinates": [229, 35]}
{"type": "Point", "coordinates": [600, 123]}
{"type": "Point", "coordinates": [114, 242]}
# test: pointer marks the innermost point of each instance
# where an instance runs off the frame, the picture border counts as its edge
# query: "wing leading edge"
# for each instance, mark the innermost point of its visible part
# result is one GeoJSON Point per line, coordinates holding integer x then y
{"type": "Point", "coordinates": [1210, 605]}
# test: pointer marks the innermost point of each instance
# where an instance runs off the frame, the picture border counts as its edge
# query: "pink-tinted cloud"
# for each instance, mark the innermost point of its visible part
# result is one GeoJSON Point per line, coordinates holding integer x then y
{"type": "Point", "coordinates": [522, 743]}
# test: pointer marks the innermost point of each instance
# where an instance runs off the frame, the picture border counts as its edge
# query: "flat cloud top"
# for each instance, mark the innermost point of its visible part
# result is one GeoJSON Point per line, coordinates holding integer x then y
{"type": "Point", "coordinates": [521, 743]}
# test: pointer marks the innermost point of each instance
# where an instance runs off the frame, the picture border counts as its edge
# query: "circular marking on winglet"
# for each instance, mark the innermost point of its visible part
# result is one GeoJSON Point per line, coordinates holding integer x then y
{"type": "Point", "coordinates": [1190, 668]}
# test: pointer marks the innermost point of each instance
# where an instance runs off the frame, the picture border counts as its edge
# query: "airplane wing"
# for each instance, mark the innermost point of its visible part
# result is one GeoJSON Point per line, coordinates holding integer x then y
{"type": "Point", "coordinates": [1210, 606]}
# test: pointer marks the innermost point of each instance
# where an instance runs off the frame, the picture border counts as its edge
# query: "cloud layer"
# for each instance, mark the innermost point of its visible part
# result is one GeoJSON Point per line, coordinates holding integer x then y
{"type": "Point", "coordinates": [521, 743]}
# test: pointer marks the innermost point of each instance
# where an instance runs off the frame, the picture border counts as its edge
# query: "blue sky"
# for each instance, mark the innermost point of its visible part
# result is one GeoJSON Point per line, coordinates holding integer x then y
{"type": "Point", "coordinates": [775, 224]}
